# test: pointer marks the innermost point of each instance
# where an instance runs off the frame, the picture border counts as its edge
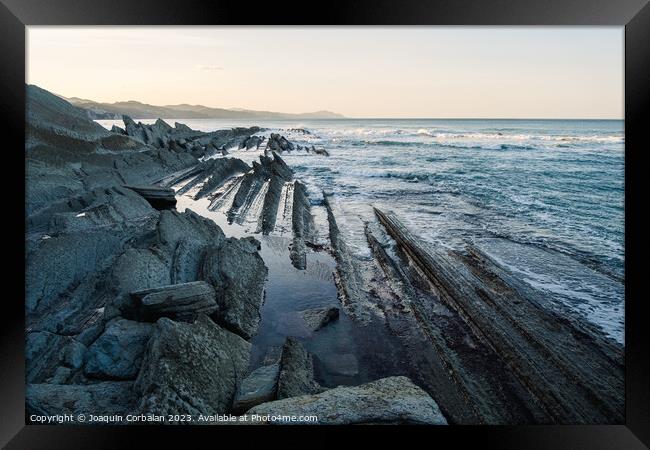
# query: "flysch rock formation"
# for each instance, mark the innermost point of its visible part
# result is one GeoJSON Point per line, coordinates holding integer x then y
{"type": "Point", "coordinates": [107, 272]}
{"type": "Point", "coordinates": [134, 307]}
{"type": "Point", "coordinates": [573, 374]}
{"type": "Point", "coordinates": [266, 197]}
{"type": "Point", "coordinates": [486, 347]}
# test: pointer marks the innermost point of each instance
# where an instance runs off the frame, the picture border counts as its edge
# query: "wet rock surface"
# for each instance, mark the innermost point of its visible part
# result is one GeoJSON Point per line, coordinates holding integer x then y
{"type": "Point", "coordinates": [317, 318]}
{"type": "Point", "coordinates": [394, 400]}
{"type": "Point", "coordinates": [237, 273]}
{"type": "Point", "coordinates": [296, 371]}
{"type": "Point", "coordinates": [191, 368]}
{"type": "Point", "coordinates": [535, 343]}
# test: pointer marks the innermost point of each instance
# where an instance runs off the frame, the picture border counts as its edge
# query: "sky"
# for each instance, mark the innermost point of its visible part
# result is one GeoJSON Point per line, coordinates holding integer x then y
{"type": "Point", "coordinates": [400, 72]}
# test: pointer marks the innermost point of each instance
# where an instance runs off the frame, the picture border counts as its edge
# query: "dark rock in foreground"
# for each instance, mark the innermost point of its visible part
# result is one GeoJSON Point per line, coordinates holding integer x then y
{"type": "Point", "coordinates": [237, 273]}
{"type": "Point", "coordinates": [291, 376]}
{"type": "Point", "coordinates": [191, 368]}
{"type": "Point", "coordinates": [394, 400]}
{"type": "Point", "coordinates": [296, 371]}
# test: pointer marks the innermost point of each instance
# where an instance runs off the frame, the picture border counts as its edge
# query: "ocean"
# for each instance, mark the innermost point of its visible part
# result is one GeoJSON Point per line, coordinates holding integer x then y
{"type": "Point", "coordinates": [545, 198]}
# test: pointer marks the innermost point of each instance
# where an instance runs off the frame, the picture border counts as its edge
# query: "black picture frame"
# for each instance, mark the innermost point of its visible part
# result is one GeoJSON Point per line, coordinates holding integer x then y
{"type": "Point", "coordinates": [15, 15]}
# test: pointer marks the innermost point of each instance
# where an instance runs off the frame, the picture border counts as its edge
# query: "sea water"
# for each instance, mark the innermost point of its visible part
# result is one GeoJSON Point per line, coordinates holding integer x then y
{"type": "Point", "coordinates": [544, 198]}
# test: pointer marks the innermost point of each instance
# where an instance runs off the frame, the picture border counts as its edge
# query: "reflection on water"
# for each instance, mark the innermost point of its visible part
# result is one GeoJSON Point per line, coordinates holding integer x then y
{"type": "Point", "coordinates": [341, 351]}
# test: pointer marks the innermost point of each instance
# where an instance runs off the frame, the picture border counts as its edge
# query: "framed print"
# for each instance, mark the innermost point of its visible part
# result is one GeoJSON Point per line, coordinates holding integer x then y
{"type": "Point", "coordinates": [275, 220]}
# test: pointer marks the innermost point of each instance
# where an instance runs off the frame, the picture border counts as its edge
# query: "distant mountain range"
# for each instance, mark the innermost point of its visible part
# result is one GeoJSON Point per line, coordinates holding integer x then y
{"type": "Point", "coordinates": [139, 110]}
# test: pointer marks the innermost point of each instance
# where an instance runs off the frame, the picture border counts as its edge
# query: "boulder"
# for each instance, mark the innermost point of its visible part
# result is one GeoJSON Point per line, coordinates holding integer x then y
{"type": "Point", "coordinates": [140, 268]}
{"type": "Point", "coordinates": [181, 302]}
{"type": "Point", "coordinates": [278, 143]}
{"type": "Point", "coordinates": [191, 368]}
{"type": "Point", "coordinates": [134, 130]}
{"type": "Point", "coordinates": [237, 273]}
{"type": "Point", "coordinates": [174, 227]}
{"type": "Point", "coordinates": [393, 400]}
{"type": "Point", "coordinates": [296, 371]}
{"type": "Point", "coordinates": [258, 387]}
{"type": "Point", "coordinates": [272, 166]}
{"type": "Point", "coordinates": [118, 352]}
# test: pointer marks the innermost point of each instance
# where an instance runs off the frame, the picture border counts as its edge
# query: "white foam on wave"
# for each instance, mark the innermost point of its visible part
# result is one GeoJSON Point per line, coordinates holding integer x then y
{"type": "Point", "coordinates": [520, 137]}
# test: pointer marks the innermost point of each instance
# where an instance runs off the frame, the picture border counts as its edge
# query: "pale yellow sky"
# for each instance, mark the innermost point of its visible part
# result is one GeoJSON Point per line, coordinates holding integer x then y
{"type": "Point", "coordinates": [482, 72]}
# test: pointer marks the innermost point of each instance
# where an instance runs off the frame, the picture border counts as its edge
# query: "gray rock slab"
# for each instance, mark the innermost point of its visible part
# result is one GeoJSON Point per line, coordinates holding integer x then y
{"type": "Point", "coordinates": [191, 367]}
{"type": "Point", "coordinates": [393, 400]}
{"type": "Point", "coordinates": [237, 272]}
{"type": "Point", "coordinates": [296, 371]}
{"type": "Point", "coordinates": [182, 302]}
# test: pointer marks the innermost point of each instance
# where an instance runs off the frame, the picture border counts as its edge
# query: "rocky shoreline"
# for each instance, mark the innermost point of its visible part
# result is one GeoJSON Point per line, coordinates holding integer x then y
{"type": "Point", "coordinates": [135, 305]}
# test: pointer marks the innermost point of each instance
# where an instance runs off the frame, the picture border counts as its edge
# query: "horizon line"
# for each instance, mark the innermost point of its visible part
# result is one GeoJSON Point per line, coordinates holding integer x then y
{"type": "Point", "coordinates": [313, 112]}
